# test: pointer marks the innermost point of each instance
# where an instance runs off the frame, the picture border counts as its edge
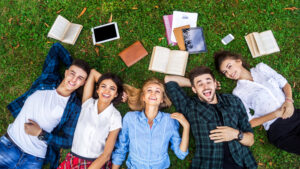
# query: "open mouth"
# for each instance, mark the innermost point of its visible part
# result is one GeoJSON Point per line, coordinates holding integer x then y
{"type": "Point", "coordinates": [207, 93]}
{"type": "Point", "coordinates": [105, 95]}
{"type": "Point", "coordinates": [152, 98]}
{"type": "Point", "coordinates": [71, 84]}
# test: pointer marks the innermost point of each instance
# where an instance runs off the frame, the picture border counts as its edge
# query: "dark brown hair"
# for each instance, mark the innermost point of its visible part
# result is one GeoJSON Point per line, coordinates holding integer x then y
{"type": "Point", "coordinates": [82, 64]}
{"type": "Point", "coordinates": [200, 70]}
{"type": "Point", "coordinates": [220, 56]}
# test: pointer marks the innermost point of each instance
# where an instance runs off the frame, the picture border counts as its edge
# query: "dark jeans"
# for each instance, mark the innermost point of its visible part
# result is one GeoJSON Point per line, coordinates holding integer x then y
{"type": "Point", "coordinates": [285, 133]}
{"type": "Point", "coordinates": [11, 156]}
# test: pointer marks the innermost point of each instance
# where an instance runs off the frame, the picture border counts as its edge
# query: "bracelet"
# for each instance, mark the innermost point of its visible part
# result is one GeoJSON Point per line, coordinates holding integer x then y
{"type": "Point", "coordinates": [289, 99]}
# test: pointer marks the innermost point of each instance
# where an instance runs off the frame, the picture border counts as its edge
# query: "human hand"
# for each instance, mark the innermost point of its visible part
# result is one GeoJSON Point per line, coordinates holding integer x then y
{"type": "Point", "coordinates": [288, 109]}
{"type": "Point", "coordinates": [32, 128]}
{"type": "Point", "coordinates": [124, 97]}
{"type": "Point", "coordinates": [223, 134]}
{"type": "Point", "coordinates": [181, 119]}
{"type": "Point", "coordinates": [218, 85]}
{"type": "Point", "coordinates": [279, 112]}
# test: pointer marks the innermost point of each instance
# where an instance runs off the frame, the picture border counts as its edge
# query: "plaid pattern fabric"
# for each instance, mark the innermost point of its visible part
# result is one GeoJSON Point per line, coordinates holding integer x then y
{"type": "Point", "coordinates": [73, 162]}
{"type": "Point", "coordinates": [203, 119]}
{"type": "Point", "coordinates": [62, 134]}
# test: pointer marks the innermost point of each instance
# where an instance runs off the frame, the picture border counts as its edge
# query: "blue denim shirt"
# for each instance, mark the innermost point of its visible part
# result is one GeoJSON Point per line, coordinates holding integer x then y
{"type": "Point", "coordinates": [148, 147]}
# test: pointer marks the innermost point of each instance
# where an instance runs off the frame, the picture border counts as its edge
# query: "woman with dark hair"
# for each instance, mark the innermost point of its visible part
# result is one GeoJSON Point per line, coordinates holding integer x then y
{"type": "Point", "coordinates": [269, 94]}
{"type": "Point", "coordinates": [146, 133]}
{"type": "Point", "coordinates": [98, 125]}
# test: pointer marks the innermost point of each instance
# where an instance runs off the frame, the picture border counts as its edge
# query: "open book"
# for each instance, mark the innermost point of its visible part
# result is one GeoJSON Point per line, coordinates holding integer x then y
{"type": "Point", "coordinates": [168, 61]}
{"type": "Point", "coordinates": [64, 30]}
{"type": "Point", "coordinates": [262, 43]}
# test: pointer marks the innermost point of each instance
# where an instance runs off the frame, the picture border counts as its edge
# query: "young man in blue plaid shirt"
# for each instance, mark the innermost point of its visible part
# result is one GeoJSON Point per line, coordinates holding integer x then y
{"type": "Point", "coordinates": [46, 115]}
{"type": "Point", "coordinates": [219, 122]}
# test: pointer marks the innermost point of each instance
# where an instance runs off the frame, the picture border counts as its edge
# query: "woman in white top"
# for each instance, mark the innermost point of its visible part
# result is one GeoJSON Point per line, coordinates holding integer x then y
{"type": "Point", "coordinates": [269, 94]}
{"type": "Point", "coordinates": [98, 125]}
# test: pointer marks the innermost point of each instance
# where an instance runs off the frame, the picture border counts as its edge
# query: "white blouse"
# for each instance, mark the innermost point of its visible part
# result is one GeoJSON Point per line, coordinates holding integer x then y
{"type": "Point", "coordinates": [92, 129]}
{"type": "Point", "coordinates": [264, 94]}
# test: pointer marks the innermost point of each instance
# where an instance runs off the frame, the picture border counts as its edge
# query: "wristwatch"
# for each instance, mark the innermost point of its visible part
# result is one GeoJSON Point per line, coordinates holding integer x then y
{"type": "Point", "coordinates": [42, 135]}
{"type": "Point", "coordinates": [240, 135]}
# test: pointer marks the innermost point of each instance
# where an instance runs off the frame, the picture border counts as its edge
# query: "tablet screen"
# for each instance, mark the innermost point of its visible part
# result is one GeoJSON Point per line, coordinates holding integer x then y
{"type": "Point", "coordinates": [105, 33]}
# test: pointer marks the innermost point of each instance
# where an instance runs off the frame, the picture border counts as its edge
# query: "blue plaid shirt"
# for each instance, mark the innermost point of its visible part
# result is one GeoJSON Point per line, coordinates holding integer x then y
{"type": "Point", "coordinates": [62, 135]}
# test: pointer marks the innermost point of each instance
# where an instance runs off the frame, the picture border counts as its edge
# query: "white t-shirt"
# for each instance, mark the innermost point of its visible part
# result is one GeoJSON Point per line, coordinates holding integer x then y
{"type": "Point", "coordinates": [92, 129]}
{"type": "Point", "coordinates": [46, 108]}
{"type": "Point", "coordinates": [264, 94]}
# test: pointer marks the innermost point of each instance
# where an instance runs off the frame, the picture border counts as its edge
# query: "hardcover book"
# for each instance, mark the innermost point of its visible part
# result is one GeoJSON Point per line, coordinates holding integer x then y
{"type": "Point", "coordinates": [133, 53]}
{"type": "Point", "coordinates": [181, 19]}
{"type": "Point", "coordinates": [179, 36]}
{"type": "Point", "coordinates": [168, 19]}
{"type": "Point", "coordinates": [262, 43]}
{"type": "Point", "coordinates": [168, 61]}
{"type": "Point", "coordinates": [64, 31]}
{"type": "Point", "coordinates": [194, 40]}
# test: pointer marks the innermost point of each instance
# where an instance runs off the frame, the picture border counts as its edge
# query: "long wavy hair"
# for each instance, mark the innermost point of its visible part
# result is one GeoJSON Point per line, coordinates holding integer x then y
{"type": "Point", "coordinates": [135, 96]}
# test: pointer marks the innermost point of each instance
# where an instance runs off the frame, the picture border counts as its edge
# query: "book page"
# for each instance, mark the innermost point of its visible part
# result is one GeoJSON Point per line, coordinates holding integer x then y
{"type": "Point", "coordinates": [59, 28]}
{"type": "Point", "coordinates": [181, 19]}
{"type": "Point", "coordinates": [177, 62]}
{"type": "Point", "coordinates": [269, 42]}
{"type": "Point", "coordinates": [254, 45]}
{"type": "Point", "coordinates": [72, 33]}
{"type": "Point", "coordinates": [259, 43]}
{"type": "Point", "coordinates": [159, 59]}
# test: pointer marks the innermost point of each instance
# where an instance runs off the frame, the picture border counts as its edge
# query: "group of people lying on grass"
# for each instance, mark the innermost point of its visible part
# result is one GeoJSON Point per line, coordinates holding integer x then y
{"type": "Point", "coordinates": [50, 116]}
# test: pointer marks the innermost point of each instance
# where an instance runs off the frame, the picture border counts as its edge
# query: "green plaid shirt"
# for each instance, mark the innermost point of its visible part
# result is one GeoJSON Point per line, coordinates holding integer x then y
{"type": "Point", "coordinates": [203, 118]}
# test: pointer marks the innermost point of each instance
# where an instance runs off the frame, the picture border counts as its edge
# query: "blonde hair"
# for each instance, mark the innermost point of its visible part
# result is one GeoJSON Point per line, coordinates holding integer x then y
{"type": "Point", "coordinates": [135, 95]}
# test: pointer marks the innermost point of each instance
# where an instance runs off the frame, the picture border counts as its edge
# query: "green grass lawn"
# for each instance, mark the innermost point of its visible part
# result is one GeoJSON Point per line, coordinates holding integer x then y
{"type": "Point", "coordinates": [24, 26]}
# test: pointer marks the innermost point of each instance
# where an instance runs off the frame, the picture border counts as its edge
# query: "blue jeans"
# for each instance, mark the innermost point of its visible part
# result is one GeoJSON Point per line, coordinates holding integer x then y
{"type": "Point", "coordinates": [11, 156]}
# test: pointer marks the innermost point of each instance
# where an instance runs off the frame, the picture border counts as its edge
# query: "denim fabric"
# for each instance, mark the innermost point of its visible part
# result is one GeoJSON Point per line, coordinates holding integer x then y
{"type": "Point", "coordinates": [11, 156]}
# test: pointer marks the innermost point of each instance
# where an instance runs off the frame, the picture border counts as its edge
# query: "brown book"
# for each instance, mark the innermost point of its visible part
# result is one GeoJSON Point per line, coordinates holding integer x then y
{"type": "Point", "coordinates": [133, 53]}
{"type": "Point", "coordinates": [179, 36]}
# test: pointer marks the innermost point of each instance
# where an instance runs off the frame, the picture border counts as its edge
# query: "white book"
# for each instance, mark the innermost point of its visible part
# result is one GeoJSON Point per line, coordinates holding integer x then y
{"type": "Point", "coordinates": [168, 61]}
{"type": "Point", "coordinates": [181, 19]}
{"type": "Point", "coordinates": [64, 31]}
{"type": "Point", "coordinates": [263, 43]}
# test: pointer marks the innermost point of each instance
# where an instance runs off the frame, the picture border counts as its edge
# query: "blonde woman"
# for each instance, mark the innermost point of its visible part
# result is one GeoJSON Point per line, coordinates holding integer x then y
{"type": "Point", "coordinates": [146, 133]}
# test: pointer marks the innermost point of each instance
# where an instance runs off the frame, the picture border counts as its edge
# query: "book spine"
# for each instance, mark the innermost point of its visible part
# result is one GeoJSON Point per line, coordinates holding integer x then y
{"type": "Point", "coordinates": [168, 26]}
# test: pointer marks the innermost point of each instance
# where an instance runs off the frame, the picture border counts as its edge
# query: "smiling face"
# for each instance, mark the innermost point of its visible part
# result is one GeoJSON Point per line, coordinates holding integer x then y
{"type": "Point", "coordinates": [152, 94]}
{"type": "Point", "coordinates": [205, 87]}
{"type": "Point", "coordinates": [107, 91]}
{"type": "Point", "coordinates": [231, 68]}
{"type": "Point", "coordinates": [74, 78]}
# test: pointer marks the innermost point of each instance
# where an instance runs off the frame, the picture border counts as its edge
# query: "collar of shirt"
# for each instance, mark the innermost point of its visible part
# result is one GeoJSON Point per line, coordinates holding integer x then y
{"type": "Point", "coordinates": [157, 119]}
{"type": "Point", "coordinates": [106, 111]}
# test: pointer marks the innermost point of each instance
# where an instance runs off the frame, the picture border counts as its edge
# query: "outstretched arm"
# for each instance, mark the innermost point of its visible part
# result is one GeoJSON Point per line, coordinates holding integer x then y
{"type": "Point", "coordinates": [109, 146]}
{"type": "Point", "coordinates": [182, 81]}
{"type": "Point", "coordinates": [89, 85]}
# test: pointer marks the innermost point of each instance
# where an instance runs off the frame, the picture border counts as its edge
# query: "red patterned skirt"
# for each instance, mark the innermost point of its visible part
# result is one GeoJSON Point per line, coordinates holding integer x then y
{"type": "Point", "coordinates": [74, 162]}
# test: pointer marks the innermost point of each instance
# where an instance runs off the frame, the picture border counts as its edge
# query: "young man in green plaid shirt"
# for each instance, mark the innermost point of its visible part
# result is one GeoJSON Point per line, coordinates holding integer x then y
{"type": "Point", "coordinates": [219, 122]}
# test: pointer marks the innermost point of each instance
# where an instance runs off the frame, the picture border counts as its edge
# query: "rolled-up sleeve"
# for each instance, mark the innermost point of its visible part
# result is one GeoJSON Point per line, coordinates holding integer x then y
{"type": "Point", "coordinates": [122, 144]}
{"type": "Point", "coordinates": [177, 96]}
{"type": "Point", "coordinates": [176, 140]}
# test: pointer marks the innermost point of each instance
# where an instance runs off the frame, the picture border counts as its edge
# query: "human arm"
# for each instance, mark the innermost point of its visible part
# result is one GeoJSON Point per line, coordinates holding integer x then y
{"type": "Point", "coordinates": [181, 81]}
{"type": "Point", "coordinates": [186, 130]}
{"type": "Point", "coordinates": [225, 133]}
{"type": "Point", "coordinates": [122, 144]}
{"type": "Point", "coordinates": [109, 146]}
{"type": "Point", "coordinates": [270, 116]}
{"type": "Point", "coordinates": [89, 85]}
{"type": "Point", "coordinates": [56, 54]}
{"type": "Point", "coordinates": [288, 105]}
